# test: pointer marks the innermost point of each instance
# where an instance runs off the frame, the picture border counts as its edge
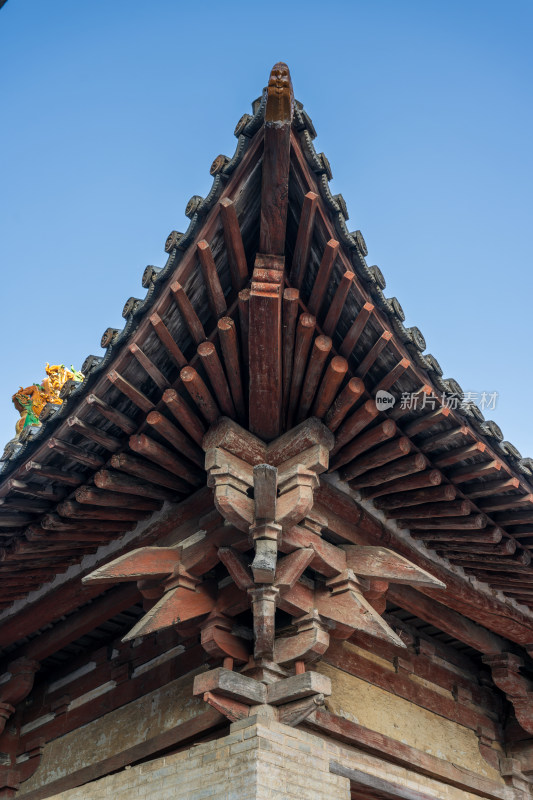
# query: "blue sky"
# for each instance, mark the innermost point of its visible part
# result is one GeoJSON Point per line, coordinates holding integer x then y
{"type": "Point", "coordinates": [113, 111]}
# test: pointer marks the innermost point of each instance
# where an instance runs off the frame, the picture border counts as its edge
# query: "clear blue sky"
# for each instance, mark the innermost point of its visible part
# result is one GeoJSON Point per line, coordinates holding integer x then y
{"type": "Point", "coordinates": [113, 111]}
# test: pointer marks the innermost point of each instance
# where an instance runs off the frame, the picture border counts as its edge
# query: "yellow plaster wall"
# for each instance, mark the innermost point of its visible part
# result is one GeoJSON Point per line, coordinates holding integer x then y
{"type": "Point", "coordinates": [386, 713]}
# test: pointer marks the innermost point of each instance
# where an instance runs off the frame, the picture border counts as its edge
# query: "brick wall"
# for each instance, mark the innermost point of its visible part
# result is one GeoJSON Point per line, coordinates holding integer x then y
{"type": "Point", "coordinates": [257, 761]}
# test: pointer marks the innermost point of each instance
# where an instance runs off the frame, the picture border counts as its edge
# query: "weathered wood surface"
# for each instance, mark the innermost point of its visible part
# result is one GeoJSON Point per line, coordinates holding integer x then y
{"type": "Point", "coordinates": [190, 317]}
{"type": "Point", "coordinates": [377, 458]}
{"type": "Point", "coordinates": [150, 449]}
{"type": "Point", "coordinates": [289, 320]}
{"type": "Point", "coordinates": [343, 403]}
{"type": "Point", "coordinates": [189, 421]}
{"type": "Point", "coordinates": [380, 433]}
{"type": "Point", "coordinates": [348, 520]}
{"type": "Point", "coordinates": [230, 351]}
{"type": "Point", "coordinates": [337, 304]}
{"type": "Point", "coordinates": [215, 293]}
{"type": "Point", "coordinates": [276, 161]}
{"type": "Point", "coordinates": [317, 360]}
{"type": "Point", "coordinates": [329, 386]}
{"type": "Point", "coordinates": [388, 381]}
{"type": "Point", "coordinates": [130, 391]}
{"type": "Point", "coordinates": [200, 394]}
{"type": "Point", "coordinates": [304, 337]}
{"type": "Point", "coordinates": [175, 437]}
{"type": "Point", "coordinates": [447, 620]}
{"type": "Point", "coordinates": [167, 340]}
{"type": "Point", "coordinates": [357, 328]}
{"type": "Point", "coordinates": [150, 368]}
{"type": "Point", "coordinates": [323, 276]}
{"type": "Point", "coordinates": [74, 452]}
{"type": "Point", "coordinates": [408, 484]}
{"type": "Point", "coordinates": [303, 240]}
{"type": "Point", "coordinates": [211, 362]}
{"type": "Point", "coordinates": [397, 469]}
{"type": "Point", "coordinates": [265, 347]}
{"type": "Point", "coordinates": [94, 434]}
{"type": "Point", "coordinates": [234, 244]}
{"type": "Point", "coordinates": [140, 468]}
{"type": "Point", "coordinates": [373, 354]}
{"type": "Point", "coordinates": [357, 422]}
{"type": "Point", "coordinates": [416, 497]}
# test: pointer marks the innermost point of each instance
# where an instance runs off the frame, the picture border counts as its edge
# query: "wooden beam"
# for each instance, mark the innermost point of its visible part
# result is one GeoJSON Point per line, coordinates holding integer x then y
{"type": "Point", "coordinates": [411, 482]}
{"type": "Point", "coordinates": [119, 419]}
{"type": "Point", "coordinates": [131, 392]}
{"type": "Point", "coordinates": [458, 508]}
{"type": "Point", "coordinates": [319, 353]}
{"type": "Point", "coordinates": [265, 347]}
{"type": "Point", "coordinates": [304, 337]}
{"type": "Point", "coordinates": [51, 473]}
{"type": "Point", "coordinates": [227, 335]}
{"type": "Point", "coordinates": [149, 367]}
{"type": "Point", "coordinates": [171, 462]}
{"type": "Point", "coordinates": [444, 438]}
{"type": "Point", "coordinates": [276, 161]}
{"type": "Point", "coordinates": [90, 495]}
{"type": "Point", "coordinates": [288, 324]}
{"type": "Point", "coordinates": [189, 315]}
{"type": "Point", "coordinates": [140, 468]}
{"type": "Point", "coordinates": [357, 328]}
{"type": "Point", "coordinates": [215, 293]}
{"type": "Point", "coordinates": [187, 418]}
{"type": "Point", "coordinates": [330, 385]}
{"type": "Point", "coordinates": [489, 488]}
{"type": "Point", "coordinates": [116, 482]}
{"type": "Point", "coordinates": [167, 340]}
{"type": "Point", "coordinates": [94, 434]}
{"type": "Point", "coordinates": [303, 240]}
{"type": "Point", "coordinates": [353, 426]}
{"type": "Point", "coordinates": [505, 502]}
{"type": "Point", "coordinates": [200, 394]}
{"type": "Point", "coordinates": [391, 377]}
{"type": "Point", "coordinates": [398, 469]}
{"type": "Point", "coordinates": [337, 304]}
{"type": "Point", "coordinates": [234, 245]}
{"type": "Point", "coordinates": [74, 452]}
{"type": "Point", "coordinates": [373, 354]}
{"type": "Point", "coordinates": [473, 471]}
{"type": "Point", "coordinates": [434, 538]}
{"type": "Point", "coordinates": [175, 437]}
{"type": "Point", "coordinates": [380, 433]}
{"type": "Point", "coordinates": [377, 458]}
{"type": "Point", "coordinates": [72, 510]}
{"type": "Point", "coordinates": [320, 286]}
{"type": "Point", "coordinates": [471, 522]}
{"type": "Point", "coordinates": [416, 497]}
{"type": "Point", "coordinates": [345, 400]}
{"type": "Point", "coordinates": [460, 454]}
{"type": "Point", "coordinates": [211, 363]}
{"type": "Point", "coordinates": [244, 323]}
{"type": "Point", "coordinates": [427, 421]}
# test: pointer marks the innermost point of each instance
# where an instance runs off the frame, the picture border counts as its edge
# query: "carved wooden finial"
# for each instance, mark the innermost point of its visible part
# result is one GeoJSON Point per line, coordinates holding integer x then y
{"type": "Point", "coordinates": [280, 97]}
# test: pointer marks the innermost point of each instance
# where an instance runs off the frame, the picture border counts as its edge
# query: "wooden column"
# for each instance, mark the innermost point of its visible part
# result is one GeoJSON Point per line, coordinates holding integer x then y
{"type": "Point", "coordinates": [265, 344]}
